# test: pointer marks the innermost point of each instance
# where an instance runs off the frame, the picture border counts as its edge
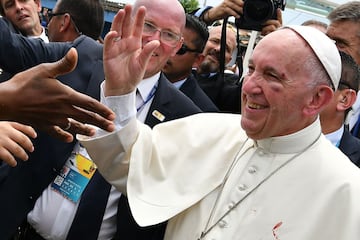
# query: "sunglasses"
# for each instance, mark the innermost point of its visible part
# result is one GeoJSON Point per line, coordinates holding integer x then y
{"type": "Point", "coordinates": [185, 49]}
{"type": "Point", "coordinates": [50, 15]}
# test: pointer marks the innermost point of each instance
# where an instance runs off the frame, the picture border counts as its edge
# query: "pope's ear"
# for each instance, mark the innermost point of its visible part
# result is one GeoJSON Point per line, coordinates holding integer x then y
{"type": "Point", "coordinates": [320, 99]}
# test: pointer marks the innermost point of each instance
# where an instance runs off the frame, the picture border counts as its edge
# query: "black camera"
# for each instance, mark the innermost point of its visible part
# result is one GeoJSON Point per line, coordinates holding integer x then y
{"type": "Point", "coordinates": [256, 12]}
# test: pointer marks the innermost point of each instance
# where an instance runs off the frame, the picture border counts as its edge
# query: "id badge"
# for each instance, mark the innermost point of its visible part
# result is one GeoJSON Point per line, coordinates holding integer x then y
{"type": "Point", "coordinates": [74, 177]}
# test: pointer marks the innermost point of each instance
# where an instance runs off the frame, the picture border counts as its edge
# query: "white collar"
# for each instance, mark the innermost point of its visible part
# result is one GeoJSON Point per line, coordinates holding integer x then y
{"type": "Point", "coordinates": [291, 143]}
{"type": "Point", "coordinates": [146, 85]}
{"type": "Point", "coordinates": [335, 137]}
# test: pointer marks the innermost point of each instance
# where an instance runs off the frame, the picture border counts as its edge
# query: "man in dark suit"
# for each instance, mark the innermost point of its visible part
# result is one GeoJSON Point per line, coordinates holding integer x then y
{"type": "Point", "coordinates": [167, 103]}
{"type": "Point", "coordinates": [332, 118]}
{"type": "Point", "coordinates": [224, 92]}
{"type": "Point", "coordinates": [178, 68]}
{"type": "Point", "coordinates": [343, 29]}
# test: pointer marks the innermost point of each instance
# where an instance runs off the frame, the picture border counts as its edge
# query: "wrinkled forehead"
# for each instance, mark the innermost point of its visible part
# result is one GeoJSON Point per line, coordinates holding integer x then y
{"type": "Point", "coordinates": [283, 42]}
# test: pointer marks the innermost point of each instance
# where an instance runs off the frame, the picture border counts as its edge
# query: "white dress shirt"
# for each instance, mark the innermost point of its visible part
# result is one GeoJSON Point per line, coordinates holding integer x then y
{"type": "Point", "coordinates": [42, 36]}
{"type": "Point", "coordinates": [335, 137]}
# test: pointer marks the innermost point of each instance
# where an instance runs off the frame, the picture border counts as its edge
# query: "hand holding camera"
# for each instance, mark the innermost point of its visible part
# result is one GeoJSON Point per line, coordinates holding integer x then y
{"type": "Point", "coordinates": [260, 15]}
{"type": "Point", "coordinates": [257, 12]}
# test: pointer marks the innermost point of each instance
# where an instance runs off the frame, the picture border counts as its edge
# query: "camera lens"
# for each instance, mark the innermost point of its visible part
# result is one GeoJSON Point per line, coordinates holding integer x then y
{"type": "Point", "coordinates": [258, 10]}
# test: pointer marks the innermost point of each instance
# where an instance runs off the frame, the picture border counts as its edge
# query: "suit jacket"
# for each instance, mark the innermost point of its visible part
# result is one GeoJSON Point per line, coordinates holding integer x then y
{"type": "Point", "coordinates": [192, 89]}
{"type": "Point", "coordinates": [21, 186]}
{"type": "Point", "coordinates": [172, 104]}
{"type": "Point", "coordinates": [350, 146]}
{"type": "Point", "coordinates": [224, 93]}
{"type": "Point", "coordinates": [19, 53]}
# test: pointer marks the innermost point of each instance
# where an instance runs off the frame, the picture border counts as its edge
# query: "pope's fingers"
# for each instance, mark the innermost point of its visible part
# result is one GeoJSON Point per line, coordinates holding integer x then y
{"type": "Point", "coordinates": [116, 25]}
{"type": "Point", "coordinates": [127, 25]}
{"type": "Point", "coordinates": [147, 51]}
{"type": "Point", "coordinates": [139, 22]}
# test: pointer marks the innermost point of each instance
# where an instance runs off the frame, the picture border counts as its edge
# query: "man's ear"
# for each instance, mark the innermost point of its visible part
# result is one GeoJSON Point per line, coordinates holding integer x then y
{"type": "Point", "coordinates": [347, 98]}
{"type": "Point", "coordinates": [320, 99]}
{"type": "Point", "coordinates": [38, 3]}
{"type": "Point", "coordinates": [199, 59]}
{"type": "Point", "coordinates": [66, 23]}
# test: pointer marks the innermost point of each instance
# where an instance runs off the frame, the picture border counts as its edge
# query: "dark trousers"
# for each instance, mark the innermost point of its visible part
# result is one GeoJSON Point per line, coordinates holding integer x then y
{"type": "Point", "coordinates": [26, 232]}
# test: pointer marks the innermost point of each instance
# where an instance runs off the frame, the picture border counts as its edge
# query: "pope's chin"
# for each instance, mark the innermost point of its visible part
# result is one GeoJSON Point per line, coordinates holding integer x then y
{"type": "Point", "coordinates": [250, 127]}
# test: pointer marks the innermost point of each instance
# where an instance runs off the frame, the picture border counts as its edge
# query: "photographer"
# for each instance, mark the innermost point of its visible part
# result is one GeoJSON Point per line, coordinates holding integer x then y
{"type": "Point", "coordinates": [235, 8]}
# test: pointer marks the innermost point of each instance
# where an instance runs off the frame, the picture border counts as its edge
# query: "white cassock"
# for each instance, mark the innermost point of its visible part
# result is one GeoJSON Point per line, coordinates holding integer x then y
{"type": "Point", "coordinates": [203, 174]}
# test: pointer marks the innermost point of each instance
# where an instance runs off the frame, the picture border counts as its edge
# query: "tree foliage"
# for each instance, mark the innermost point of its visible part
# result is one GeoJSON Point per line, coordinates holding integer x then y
{"type": "Point", "coordinates": [189, 5]}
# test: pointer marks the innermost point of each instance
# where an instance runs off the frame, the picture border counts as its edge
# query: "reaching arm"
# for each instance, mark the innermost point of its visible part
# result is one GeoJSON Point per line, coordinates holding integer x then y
{"type": "Point", "coordinates": [35, 98]}
{"type": "Point", "coordinates": [26, 52]}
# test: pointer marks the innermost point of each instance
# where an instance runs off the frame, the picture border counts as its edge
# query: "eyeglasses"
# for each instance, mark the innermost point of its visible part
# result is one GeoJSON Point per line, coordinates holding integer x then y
{"type": "Point", "coordinates": [166, 36]}
{"type": "Point", "coordinates": [50, 15]}
{"type": "Point", "coordinates": [185, 49]}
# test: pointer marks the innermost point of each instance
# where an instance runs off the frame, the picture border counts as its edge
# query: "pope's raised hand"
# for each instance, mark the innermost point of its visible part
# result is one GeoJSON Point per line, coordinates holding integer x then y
{"type": "Point", "coordinates": [125, 55]}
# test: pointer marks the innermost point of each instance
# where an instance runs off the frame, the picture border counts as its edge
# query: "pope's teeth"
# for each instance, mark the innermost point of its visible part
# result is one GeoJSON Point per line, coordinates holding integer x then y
{"type": "Point", "coordinates": [256, 106]}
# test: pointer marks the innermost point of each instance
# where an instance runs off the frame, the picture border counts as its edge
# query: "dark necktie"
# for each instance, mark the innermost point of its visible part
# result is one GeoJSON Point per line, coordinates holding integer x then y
{"type": "Point", "coordinates": [90, 213]}
{"type": "Point", "coordinates": [355, 130]}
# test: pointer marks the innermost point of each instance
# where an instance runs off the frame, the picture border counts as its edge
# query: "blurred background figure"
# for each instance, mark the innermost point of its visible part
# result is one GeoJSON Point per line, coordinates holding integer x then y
{"type": "Point", "coordinates": [24, 16]}
{"type": "Point", "coordinates": [344, 28]}
{"type": "Point", "coordinates": [178, 69]}
{"type": "Point", "coordinates": [332, 118]}
{"type": "Point", "coordinates": [222, 89]}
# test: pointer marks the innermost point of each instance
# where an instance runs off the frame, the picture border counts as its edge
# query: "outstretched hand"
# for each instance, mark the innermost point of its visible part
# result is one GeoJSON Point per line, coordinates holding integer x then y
{"type": "Point", "coordinates": [125, 55]}
{"type": "Point", "coordinates": [34, 97]}
{"type": "Point", "coordinates": [15, 142]}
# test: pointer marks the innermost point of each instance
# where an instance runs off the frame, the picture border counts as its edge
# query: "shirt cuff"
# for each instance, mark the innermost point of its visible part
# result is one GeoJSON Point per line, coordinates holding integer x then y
{"type": "Point", "coordinates": [123, 106]}
{"type": "Point", "coordinates": [201, 11]}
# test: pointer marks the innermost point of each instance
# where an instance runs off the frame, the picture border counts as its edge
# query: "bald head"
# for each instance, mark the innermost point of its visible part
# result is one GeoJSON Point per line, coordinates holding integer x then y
{"type": "Point", "coordinates": [175, 13]}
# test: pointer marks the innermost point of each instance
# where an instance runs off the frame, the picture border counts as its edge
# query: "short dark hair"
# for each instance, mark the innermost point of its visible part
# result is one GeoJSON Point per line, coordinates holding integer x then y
{"type": "Point", "coordinates": [199, 27]}
{"type": "Point", "coordinates": [2, 11]}
{"type": "Point", "coordinates": [353, 79]}
{"type": "Point", "coordinates": [88, 15]}
{"type": "Point", "coordinates": [347, 11]}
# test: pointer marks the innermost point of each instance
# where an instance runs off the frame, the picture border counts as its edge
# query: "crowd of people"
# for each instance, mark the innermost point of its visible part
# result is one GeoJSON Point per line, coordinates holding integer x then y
{"type": "Point", "coordinates": [142, 135]}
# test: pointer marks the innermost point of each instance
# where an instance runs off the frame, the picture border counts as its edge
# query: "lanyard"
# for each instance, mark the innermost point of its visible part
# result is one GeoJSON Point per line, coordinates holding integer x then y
{"type": "Point", "coordinates": [150, 96]}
